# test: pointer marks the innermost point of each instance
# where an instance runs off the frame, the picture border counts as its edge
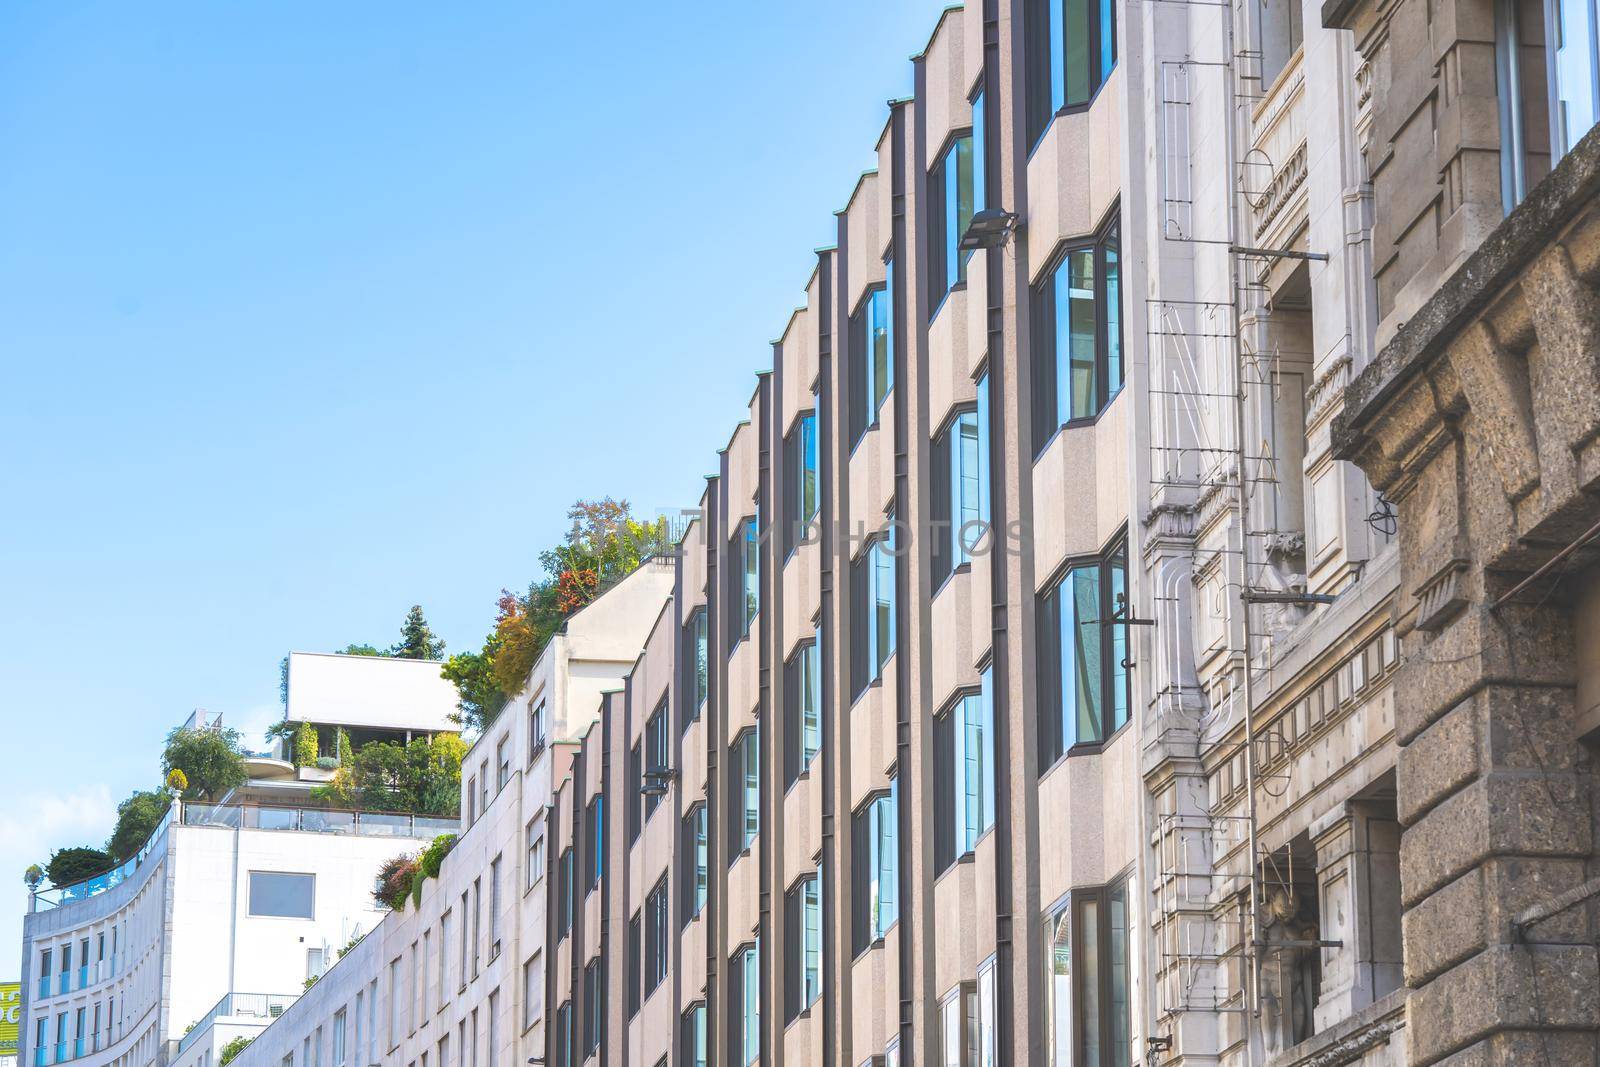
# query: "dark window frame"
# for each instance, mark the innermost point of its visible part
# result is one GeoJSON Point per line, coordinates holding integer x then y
{"type": "Point", "coordinates": [1045, 343]}
{"type": "Point", "coordinates": [942, 244]}
{"type": "Point", "coordinates": [1038, 88]}
{"type": "Point", "coordinates": [1051, 739]}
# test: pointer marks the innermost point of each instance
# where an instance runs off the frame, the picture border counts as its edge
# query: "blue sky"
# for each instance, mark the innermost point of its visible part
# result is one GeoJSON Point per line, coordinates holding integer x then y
{"type": "Point", "coordinates": [310, 312]}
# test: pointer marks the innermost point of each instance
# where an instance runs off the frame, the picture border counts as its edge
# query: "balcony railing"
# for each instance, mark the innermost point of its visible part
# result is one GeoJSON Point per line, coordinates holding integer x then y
{"type": "Point", "coordinates": [263, 1006]}
{"type": "Point", "coordinates": [92, 887]}
{"type": "Point", "coordinates": [318, 820]}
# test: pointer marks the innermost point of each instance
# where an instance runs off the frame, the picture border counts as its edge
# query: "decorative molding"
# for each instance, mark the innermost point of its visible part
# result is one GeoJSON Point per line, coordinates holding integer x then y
{"type": "Point", "coordinates": [1286, 181]}
{"type": "Point", "coordinates": [1441, 597]}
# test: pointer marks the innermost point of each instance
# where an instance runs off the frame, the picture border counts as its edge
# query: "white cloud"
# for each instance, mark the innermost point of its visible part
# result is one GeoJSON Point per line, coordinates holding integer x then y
{"type": "Point", "coordinates": [32, 825]}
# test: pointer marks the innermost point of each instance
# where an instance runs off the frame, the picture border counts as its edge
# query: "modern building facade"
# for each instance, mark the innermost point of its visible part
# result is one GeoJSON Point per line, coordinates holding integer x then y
{"type": "Point", "coordinates": [458, 976]}
{"type": "Point", "coordinates": [225, 913]}
{"type": "Point", "coordinates": [1042, 680]}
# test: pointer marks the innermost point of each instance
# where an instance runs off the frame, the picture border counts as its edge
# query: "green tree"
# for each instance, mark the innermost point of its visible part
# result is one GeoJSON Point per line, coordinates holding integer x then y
{"type": "Point", "coordinates": [603, 545]}
{"type": "Point", "coordinates": [361, 650]}
{"type": "Point", "coordinates": [137, 819]}
{"type": "Point", "coordinates": [209, 757]}
{"type": "Point", "coordinates": [346, 755]}
{"type": "Point", "coordinates": [231, 1050]}
{"type": "Point", "coordinates": [479, 697]}
{"type": "Point", "coordinates": [72, 865]}
{"type": "Point", "coordinates": [306, 745]}
{"type": "Point", "coordinates": [417, 641]}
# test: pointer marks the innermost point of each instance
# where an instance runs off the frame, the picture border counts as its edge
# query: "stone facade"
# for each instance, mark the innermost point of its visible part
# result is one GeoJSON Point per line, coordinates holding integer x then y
{"type": "Point", "coordinates": [1480, 421]}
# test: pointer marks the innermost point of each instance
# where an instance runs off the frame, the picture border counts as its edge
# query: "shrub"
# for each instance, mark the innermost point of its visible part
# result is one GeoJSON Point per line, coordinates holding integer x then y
{"type": "Point", "coordinates": [346, 754]}
{"type": "Point", "coordinates": [231, 1050]}
{"type": "Point", "coordinates": [305, 746]}
{"type": "Point", "coordinates": [327, 763]}
{"type": "Point", "coordinates": [177, 781]}
{"type": "Point", "coordinates": [394, 882]}
{"type": "Point", "coordinates": [433, 856]}
{"type": "Point", "coordinates": [72, 865]}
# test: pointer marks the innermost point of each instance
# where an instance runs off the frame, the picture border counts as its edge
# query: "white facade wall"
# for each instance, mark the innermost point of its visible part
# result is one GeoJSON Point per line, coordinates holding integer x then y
{"type": "Point", "coordinates": [446, 982]}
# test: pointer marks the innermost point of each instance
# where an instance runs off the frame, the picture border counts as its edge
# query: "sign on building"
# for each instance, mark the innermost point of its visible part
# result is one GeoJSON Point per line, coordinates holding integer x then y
{"type": "Point", "coordinates": [10, 1015]}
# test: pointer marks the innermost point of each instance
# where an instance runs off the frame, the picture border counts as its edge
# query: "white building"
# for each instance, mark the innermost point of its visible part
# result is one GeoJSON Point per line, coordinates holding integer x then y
{"type": "Point", "coordinates": [229, 908]}
{"type": "Point", "coordinates": [459, 977]}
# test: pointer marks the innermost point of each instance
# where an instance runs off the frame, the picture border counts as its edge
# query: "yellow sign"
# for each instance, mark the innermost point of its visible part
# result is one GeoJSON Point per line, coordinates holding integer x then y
{"type": "Point", "coordinates": [10, 1015]}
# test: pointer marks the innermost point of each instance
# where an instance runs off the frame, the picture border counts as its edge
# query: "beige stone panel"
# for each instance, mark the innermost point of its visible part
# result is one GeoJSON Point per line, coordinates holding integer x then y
{"type": "Point", "coordinates": [799, 366]}
{"type": "Point", "coordinates": [802, 1040]}
{"type": "Point", "coordinates": [948, 365]}
{"type": "Point", "coordinates": [945, 94]}
{"type": "Point", "coordinates": [801, 588]}
{"type": "Point", "coordinates": [1075, 174]}
{"type": "Point", "coordinates": [952, 666]}
{"type": "Point", "coordinates": [1065, 500]}
{"type": "Point", "coordinates": [971, 45]}
{"type": "Point", "coordinates": [693, 551]}
{"type": "Point", "coordinates": [864, 248]}
{"type": "Point", "coordinates": [744, 475]}
{"type": "Point", "coordinates": [1072, 815]}
{"type": "Point", "coordinates": [955, 952]}
{"type": "Point", "coordinates": [871, 478]}
{"type": "Point", "coordinates": [801, 827]}
{"type": "Point", "coordinates": [975, 304]}
{"type": "Point", "coordinates": [692, 770]}
{"type": "Point", "coordinates": [689, 961]}
{"type": "Point", "coordinates": [743, 898]}
{"type": "Point", "coordinates": [743, 686]}
{"type": "Point", "coordinates": [872, 737]}
{"type": "Point", "coordinates": [874, 998]}
{"type": "Point", "coordinates": [1119, 769]}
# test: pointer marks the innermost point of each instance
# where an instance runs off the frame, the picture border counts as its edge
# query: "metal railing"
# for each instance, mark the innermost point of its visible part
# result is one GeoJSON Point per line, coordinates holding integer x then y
{"type": "Point", "coordinates": [318, 820]}
{"type": "Point", "coordinates": [263, 1006]}
{"type": "Point", "coordinates": [93, 887]}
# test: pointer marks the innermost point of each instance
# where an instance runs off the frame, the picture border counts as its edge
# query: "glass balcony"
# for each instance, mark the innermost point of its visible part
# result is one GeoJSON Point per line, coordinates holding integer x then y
{"type": "Point", "coordinates": [64, 982]}
{"type": "Point", "coordinates": [77, 1049]}
{"type": "Point", "coordinates": [41, 1056]}
{"type": "Point", "coordinates": [61, 1052]}
{"type": "Point", "coordinates": [44, 986]}
{"type": "Point", "coordinates": [83, 977]}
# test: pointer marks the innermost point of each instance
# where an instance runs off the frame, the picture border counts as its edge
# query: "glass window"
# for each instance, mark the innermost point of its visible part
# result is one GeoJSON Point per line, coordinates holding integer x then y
{"type": "Point", "coordinates": [951, 193]}
{"type": "Point", "coordinates": [657, 759]}
{"type": "Point", "coordinates": [803, 945]}
{"type": "Point", "coordinates": [694, 1036]}
{"type": "Point", "coordinates": [702, 667]}
{"type": "Point", "coordinates": [1086, 1003]}
{"type": "Point", "coordinates": [872, 578]}
{"type": "Point", "coordinates": [532, 994]}
{"type": "Point", "coordinates": [1072, 51]}
{"type": "Point", "coordinates": [339, 1019]}
{"type": "Point", "coordinates": [535, 838]}
{"type": "Point", "coordinates": [749, 969]}
{"type": "Point", "coordinates": [746, 574]}
{"type": "Point", "coordinates": [746, 791]}
{"type": "Point", "coordinates": [1077, 345]}
{"type": "Point", "coordinates": [872, 350]}
{"type": "Point", "coordinates": [957, 497]}
{"type": "Point", "coordinates": [502, 756]}
{"type": "Point", "coordinates": [655, 937]}
{"type": "Point", "coordinates": [803, 710]}
{"type": "Point", "coordinates": [1083, 684]}
{"type": "Point", "coordinates": [535, 729]}
{"type": "Point", "coordinates": [1575, 94]}
{"type": "Point", "coordinates": [964, 758]}
{"type": "Point", "coordinates": [285, 896]}
{"type": "Point", "coordinates": [878, 893]}
{"type": "Point", "coordinates": [986, 1016]}
{"type": "Point", "coordinates": [980, 185]}
{"type": "Point", "coordinates": [800, 471]}
{"type": "Point", "coordinates": [595, 834]}
{"type": "Point", "coordinates": [695, 858]}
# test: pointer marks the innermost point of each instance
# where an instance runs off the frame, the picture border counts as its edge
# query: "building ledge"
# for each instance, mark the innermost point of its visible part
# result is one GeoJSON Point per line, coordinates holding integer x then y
{"type": "Point", "coordinates": [1350, 1040]}
{"type": "Point", "coordinates": [1570, 189]}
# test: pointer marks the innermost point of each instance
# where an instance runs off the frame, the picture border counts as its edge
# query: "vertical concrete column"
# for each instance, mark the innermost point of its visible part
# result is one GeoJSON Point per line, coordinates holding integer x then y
{"type": "Point", "coordinates": [1358, 884]}
{"type": "Point", "coordinates": [1494, 794]}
